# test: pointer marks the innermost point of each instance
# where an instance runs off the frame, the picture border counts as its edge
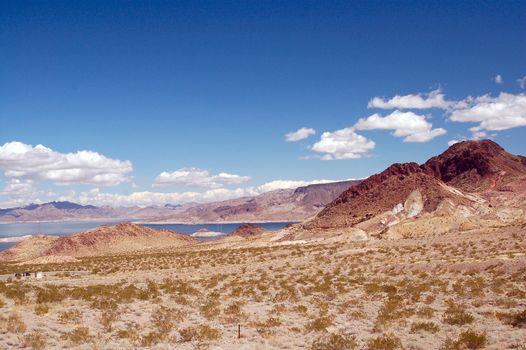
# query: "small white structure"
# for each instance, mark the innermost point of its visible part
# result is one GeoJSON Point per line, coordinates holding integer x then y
{"type": "Point", "coordinates": [39, 275]}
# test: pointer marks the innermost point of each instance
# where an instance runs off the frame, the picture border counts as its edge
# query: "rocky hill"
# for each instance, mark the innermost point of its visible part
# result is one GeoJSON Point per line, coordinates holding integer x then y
{"type": "Point", "coordinates": [247, 231]}
{"type": "Point", "coordinates": [103, 240]}
{"type": "Point", "coordinates": [476, 165]}
{"type": "Point", "coordinates": [462, 181]}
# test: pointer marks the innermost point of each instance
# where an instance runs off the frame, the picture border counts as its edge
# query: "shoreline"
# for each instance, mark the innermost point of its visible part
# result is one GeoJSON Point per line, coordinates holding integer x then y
{"type": "Point", "coordinates": [138, 222]}
{"type": "Point", "coordinates": [215, 223]}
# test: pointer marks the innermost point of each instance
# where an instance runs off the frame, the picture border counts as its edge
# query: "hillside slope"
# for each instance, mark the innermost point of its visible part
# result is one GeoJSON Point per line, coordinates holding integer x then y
{"type": "Point", "coordinates": [103, 240]}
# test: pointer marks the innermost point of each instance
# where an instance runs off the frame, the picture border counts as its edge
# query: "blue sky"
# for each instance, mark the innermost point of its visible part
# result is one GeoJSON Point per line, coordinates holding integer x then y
{"type": "Point", "coordinates": [213, 87]}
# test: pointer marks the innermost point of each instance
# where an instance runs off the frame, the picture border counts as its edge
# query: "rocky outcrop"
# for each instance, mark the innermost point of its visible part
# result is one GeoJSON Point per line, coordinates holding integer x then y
{"type": "Point", "coordinates": [247, 231]}
{"type": "Point", "coordinates": [476, 165]}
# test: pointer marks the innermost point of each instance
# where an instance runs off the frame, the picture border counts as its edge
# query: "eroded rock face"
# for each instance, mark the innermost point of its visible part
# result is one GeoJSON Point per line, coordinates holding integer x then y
{"type": "Point", "coordinates": [359, 235]}
{"type": "Point", "coordinates": [414, 204]}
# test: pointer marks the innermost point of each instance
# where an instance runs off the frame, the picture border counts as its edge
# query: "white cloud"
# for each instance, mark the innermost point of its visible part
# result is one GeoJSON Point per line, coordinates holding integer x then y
{"type": "Point", "coordinates": [19, 160]}
{"type": "Point", "coordinates": [498, 79]}
{"type": "Point", "coordinates": [148, 198]}
{"type": "Point", "coordinates": [503, 112]}
{"type": "Point", "coordinates": [412, 127]}
{"type": "Point", "coordinates": [299, 134]}
{"type": "Point", "coordinates": [522, 82]}
{"type": "Point", "coordinates": [452, 142]}
{"type": "Point", "coordinates": [343, 144]}
{"type": "Point", "coordinates": [16, 193]}
{"type": "Point", "coordinates": [19, 192]}
{"type": "Point", "coordinates": [286, 184]}
{"type": "Point", "coordinates": [434, 99]}
{"type": "Point", "coordinates": [195, 177]}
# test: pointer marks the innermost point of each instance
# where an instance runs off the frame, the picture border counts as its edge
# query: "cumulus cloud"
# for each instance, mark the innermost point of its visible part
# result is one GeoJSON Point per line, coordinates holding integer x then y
{"type": "Point", "coordinates": [17, 192]}
{"type": "Point", "coordinates": [452, 142]}
{"type": "Point", "coordinates": [286, 184]}
{"type": "Point", "coordinates": [195, 177]}
{"type": "Point", "coordinates": [412, 127]}
{"type": "Point", "coordinates": [19, 160]}
{"type": "Point", "coordinates": [503, 112]}
{"type": "Point", "coordinates": [343, 144]}
{"type": "Point", "coordinates": [522, 82]}
{"type": "Point", "coordinates": [299, 134]}
{"type": "Point", "coordinates": [434, 99]}
{"type": "Point", "coordinates": [498, 79]}
{"type": "Point", "coordinates": [148, 198]}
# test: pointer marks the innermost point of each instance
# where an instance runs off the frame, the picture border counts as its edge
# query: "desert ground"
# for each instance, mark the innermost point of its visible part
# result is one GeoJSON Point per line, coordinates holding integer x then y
{"type": "Point", "coordinates": [454, 291]}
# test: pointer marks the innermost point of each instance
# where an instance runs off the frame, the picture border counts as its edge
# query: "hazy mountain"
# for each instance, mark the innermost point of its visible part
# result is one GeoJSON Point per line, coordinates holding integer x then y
{"type": "Point", "coordinates": [280, 205]}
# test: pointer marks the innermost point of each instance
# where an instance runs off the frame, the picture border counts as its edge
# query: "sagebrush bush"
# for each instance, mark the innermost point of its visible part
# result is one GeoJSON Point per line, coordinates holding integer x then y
{"type": "Point", "coordinates": [424, 326]}
{"type": "Point", "coordinates": [457, 315]}
{"type": "Point", "coordinates": [319, 324]}
{"type": "Point", "coordinates": [335, 342]}
{"type": "Point", "coordinates": [78, 336]}
{"type": "Point", "coordinates": [15, 324]}
{"type": "Point", "coordinates": [35, 340]}
{"type": "Point", "coordinates": [384, 342]}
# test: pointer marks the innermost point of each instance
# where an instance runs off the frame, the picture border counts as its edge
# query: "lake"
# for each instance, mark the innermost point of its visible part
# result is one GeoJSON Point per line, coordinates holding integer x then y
{"type": "Point", "coordinates": [11, 231]}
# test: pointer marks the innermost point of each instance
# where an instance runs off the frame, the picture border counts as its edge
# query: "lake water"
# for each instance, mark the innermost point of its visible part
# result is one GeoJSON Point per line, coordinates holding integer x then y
{"type": "Point", "coordinates": [11, 231]}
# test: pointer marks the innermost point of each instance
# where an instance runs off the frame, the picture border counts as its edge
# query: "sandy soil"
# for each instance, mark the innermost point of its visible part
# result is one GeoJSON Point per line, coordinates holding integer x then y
{"type": "Point", "coordinates": [451, 291]}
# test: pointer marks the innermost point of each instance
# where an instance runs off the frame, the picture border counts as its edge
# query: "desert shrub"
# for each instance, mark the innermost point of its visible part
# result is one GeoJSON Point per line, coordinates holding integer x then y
{"type": "Point", "coordinates": [187, 334]}
{"type": "Point", "coordinates": [151, 339]}
{"type": "Point", "coordinates": [384, 342]}
{"type": "Point", "coordinates": [319, 324]}
{"type": "Point", "coordinates": [16, 291]}
{"type": "Point", "coordinates": [78, 336]}
{"type": "Point", "coordinates": [392, 309]}
{"type": "Point", "coordinates": [424, 326]}
{"type": "Point", "coordinates": [130, 332]}
{"type": "Point", "coordinates": [207, 333]}
{"type": "Point", "coordinates": [107, 318]}
{"type": "Point", "coordinates": [15, 324]}
{"type": "Point", "coordinates": [266, 328]}
{"type": "Point", "coordinates": [41, 309]}
{"type": "Point", "coordinates": [234, 313]}
{"type": "Point", "coordinates": [469, 339]}
{"type": "Point", "coordinates": [163, 319]}
{"type": "Point", "coordinates": [301, 309]}
{"type": "Point", "coordinates": [457, 315]}
{"type": "Point", "coordinates": [210, 309]}
{"type": "Point", "coordinates": [71, 316]}
{"type": "Point", "coordinates": [35, 340]}
{"type": "Point", "coordinates": [202, 333]}
{"type": "Point", "coordinates": [425, 312]}
{"type": "Point", "coordinates": [50, 294]}
{"type": "Point", "coordinates": [335, 342]}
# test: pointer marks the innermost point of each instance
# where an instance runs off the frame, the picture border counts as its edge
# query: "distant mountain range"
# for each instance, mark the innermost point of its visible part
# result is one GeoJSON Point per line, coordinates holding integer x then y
{"type": "Point", "coordinates": [279, 205]}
